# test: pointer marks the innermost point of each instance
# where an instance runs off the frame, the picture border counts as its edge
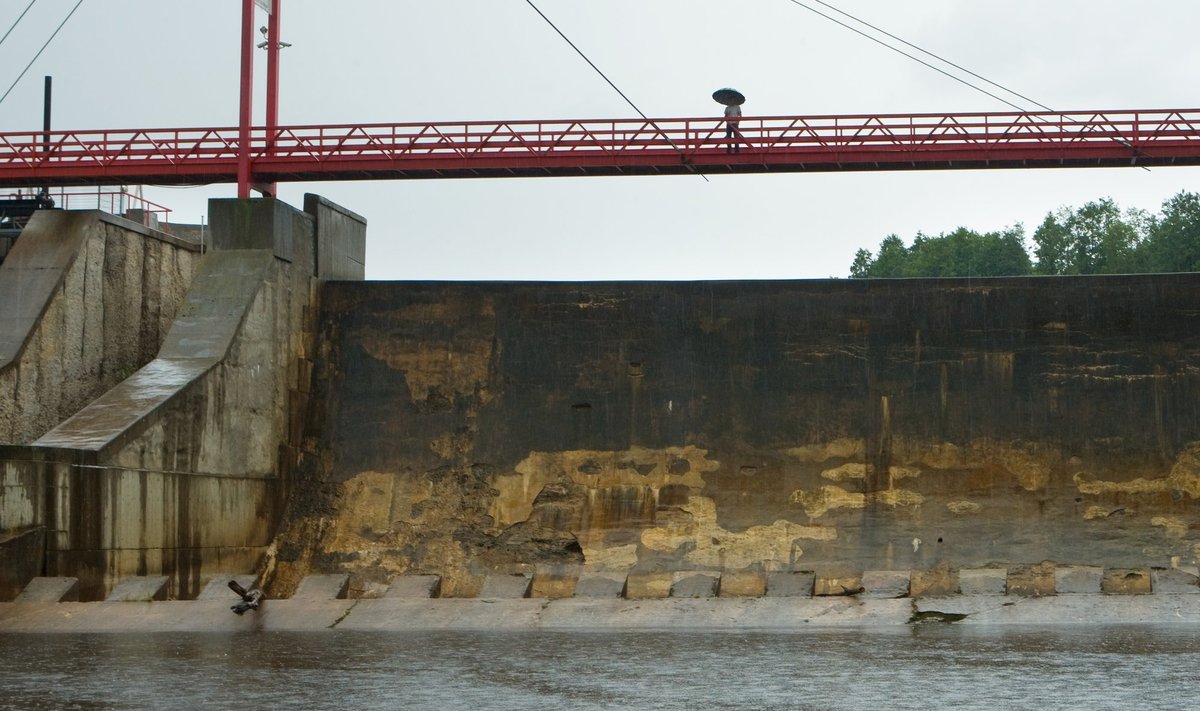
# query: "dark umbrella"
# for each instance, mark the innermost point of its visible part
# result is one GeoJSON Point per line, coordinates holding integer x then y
{"type": "Point", "coordinates": [729, 97]}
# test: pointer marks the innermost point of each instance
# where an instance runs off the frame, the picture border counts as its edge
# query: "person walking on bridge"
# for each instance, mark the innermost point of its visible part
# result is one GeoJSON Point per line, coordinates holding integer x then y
{"type": "Point", "coordinates": [733, 100]}
{"type": "Point", "coordinates": [733, 137]}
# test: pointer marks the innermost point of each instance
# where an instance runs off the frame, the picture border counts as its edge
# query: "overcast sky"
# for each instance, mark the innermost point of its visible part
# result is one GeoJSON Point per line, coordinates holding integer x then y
{"type": "Point", "coordinates": [174, 63]}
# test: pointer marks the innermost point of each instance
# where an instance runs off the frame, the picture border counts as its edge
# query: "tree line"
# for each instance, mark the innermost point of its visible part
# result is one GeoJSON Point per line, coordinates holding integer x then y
{"type": "Point", "coordinates": [1095, 238]}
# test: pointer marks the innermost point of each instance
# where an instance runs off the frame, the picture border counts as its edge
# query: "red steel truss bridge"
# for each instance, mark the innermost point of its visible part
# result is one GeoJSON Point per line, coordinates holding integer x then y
{"type": "Point", "coordinates": [501, 149]}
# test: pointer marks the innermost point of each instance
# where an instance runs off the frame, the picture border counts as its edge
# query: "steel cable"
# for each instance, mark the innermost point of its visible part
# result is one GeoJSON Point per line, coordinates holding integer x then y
{"type": "Point", "coordinates": [1119, 141]}
{"type": "Point", "coordinates": [14, 25]}
{"type": "Point", "coordinates": [39, 53]}
{"type": "Point", "coordinates": [614, 86]}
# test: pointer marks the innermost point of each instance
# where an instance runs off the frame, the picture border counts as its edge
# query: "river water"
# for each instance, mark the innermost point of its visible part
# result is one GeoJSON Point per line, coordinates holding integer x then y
{"type": "Point", "coordinates": [921, 667]}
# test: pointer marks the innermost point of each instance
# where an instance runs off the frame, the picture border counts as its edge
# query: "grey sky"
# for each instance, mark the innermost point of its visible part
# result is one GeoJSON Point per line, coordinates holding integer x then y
{"type": "Point", "coordinates": [174, 63]}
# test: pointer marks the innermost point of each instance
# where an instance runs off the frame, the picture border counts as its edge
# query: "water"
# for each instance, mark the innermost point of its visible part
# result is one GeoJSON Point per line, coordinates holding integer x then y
{"type": "Point", "coordinates": [925, 667]}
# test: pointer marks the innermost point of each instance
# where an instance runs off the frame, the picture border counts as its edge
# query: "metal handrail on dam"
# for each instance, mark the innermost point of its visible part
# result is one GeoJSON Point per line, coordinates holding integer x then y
{"type": "Point", "coordinates": [572, 147]}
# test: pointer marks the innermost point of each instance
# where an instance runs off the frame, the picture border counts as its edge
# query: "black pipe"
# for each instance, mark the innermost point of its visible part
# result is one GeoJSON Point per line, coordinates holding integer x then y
{"type": "Point", "coordinates": [46, 136]}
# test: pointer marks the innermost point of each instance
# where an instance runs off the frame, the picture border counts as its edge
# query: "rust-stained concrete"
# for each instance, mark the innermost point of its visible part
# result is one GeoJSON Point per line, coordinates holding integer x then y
{"type": "Point", "coordinates": [649, 429]}
{"type": "Point", "coordinates": [178, 470]}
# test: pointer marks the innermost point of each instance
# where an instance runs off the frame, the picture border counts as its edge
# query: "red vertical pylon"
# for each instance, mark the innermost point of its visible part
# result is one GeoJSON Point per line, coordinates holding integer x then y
{"type": "Point", "coordinates": [273, 47]}
{"type": "Point", "coordinates": [245, 115]}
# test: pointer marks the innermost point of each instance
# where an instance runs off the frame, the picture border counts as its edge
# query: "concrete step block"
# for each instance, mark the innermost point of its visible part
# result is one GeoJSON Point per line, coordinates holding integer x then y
{"type": "Point", "coordinates": [837, 585]}
{"type": "Point", "coordinates": [1032, 580]}
{"type": "Point", "coordinates": [1078, 579]}
{"type": "Point", "coordinates": [742, 583]}
{"type": "Point", "coordinates": [218, 587]}
{"type": "Point", "coordinates": [50, 590]}
{"type": "Point", "coordinates": [648, 586]}
{"type": "Point", "coordinates": [885, 583]}
{"type": "Point", "coordinates": [1126, 581]}
{"type": "Point", "coordinates": [139, 589]}
{"type": "Point", "coordinates": [941, 581]}
{"type": "Point", "coordinates": [1173, 581]}
{"type": "Point", "coordinates": [983, 581]}
{"type": "Point", "coordinates": [554, 582]}
{"type": "Point", "coordinates": [600, 585]}
{"type": "Point", "coordinates": [791, 583]}
{"type": "Point", "coordinates": [322, 587]}
{"type": "Point", "coordinates": [506, 587]}
{"type": "Point", "coordinates": [695, 585]}
{"type": "Point", "coordinates": [418, 586]}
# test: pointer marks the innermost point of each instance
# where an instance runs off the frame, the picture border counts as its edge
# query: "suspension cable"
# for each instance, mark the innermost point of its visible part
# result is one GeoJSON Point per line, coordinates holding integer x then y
{"type": "Point", "coordinates": [1120, 141]}
{"type": "Point", "coordinates": [906, 54]}
{"type": "Point", "coordinates": [39, 52]}
{"type": "Point", "coordinates": [614, 86]}
{"type": "Point", "coordinates": [935, 56]}
{"type": "Point", "coordinates": [14, 25]}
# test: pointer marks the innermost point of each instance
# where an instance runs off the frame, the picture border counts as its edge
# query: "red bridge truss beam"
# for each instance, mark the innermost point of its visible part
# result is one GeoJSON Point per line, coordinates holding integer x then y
{"type": "Point", "coordinates": [605, 147]}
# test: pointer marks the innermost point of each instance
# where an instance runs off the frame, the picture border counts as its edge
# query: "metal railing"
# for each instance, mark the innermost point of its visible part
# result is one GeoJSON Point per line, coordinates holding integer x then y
{"type": "Point", "coordinates": [390, 150]}
{"type": "Point", "coordinates": [113, 200]}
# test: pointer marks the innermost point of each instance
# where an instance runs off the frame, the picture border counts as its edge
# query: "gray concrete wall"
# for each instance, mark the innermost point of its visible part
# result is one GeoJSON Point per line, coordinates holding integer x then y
{"type": "Point", "coordinates": [342, 251]}
{"type": "Point", "coordinates": [108, 522]}
{"type": "Point", "coordinates": [177, 471]}
{"type": "Point", "coordinates": [85, 300]}
{"type": "Point", "coordinates": [838, 425]}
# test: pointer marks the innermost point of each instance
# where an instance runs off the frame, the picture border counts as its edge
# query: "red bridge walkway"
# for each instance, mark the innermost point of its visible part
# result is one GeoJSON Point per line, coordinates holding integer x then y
{"type": "Point", "coordinates": [605, 147]}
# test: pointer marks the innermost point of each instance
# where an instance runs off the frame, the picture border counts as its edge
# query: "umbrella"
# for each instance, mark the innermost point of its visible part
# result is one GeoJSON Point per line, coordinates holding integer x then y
{"type": "Point", "coordinates": [729, 97]}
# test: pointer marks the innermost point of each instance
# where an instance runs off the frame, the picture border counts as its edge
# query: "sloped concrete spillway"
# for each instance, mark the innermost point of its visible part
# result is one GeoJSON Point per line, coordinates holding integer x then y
{"type": "Point", "coordinates": [469, 430]}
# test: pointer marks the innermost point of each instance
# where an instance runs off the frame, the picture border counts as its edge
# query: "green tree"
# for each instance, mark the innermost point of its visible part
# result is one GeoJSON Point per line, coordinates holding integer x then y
{"type": "Point", "coordinates": [861, 267]}
{"type": "Point", "coordinates": [1173, 242]}
{"type": "Point", "coordinates": [892, 260]}
{"type": "Point", "coordinates": [960, 253]}
{"type": "Point", "coordinates": [1051, 241]}
{"type": "Point", "coordinates": [1095, 238]}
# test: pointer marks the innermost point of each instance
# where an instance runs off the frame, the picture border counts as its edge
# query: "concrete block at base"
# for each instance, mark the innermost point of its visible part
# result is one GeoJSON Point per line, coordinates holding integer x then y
{"type": "Point", "coordinates": [938, 582]}
{"type": "Point", "coordinates": [1174, 581]}
{"type": "Point", "coordinates": [1078, 579]}
{"type": "Point", "coordinates": [829, 586]}
{"type": "Point", "coordinates": [790, 584]}
{"type": "Point", "coordinates": [506, 587]}
{"type": "Point", "coordinates": [695, 585]}
{"type": "Point", "coordinates": [554, 582]}
{"type": "Point", "coordinates": [1032, 580]}
{"type": "Point", "coordinates": [50, 590]}
{"type": "Point", "coordinates": [1126, 581]}
{"type": "Point", "coordinates": [252, 223]}
{"type": "Point", "coordinates": [742, 583]}
{"type": "Point", "coordinates": [414, 586]}
{"type": "Point", "coordinates": [218, 587]}
{"type": "Point", "coordinates": [322, 587]}
{"type": "Point", "coordinates": [646, 586]}
{"type": "Point", "coordinates": [599, 585]}
{"type": "Point", "coordinates": [983, 581]}
{"type": "Point", "coordinates": [21, 554]}
{"type": "Point", "coordinates": [885, 583]}
{"type": "Point", "coordinates": [139, 589]}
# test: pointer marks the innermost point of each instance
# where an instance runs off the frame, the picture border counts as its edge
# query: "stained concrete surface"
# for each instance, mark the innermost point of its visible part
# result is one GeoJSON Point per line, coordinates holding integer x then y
{"type": "Point", "coordinates": [45, 589]}
{"type": "Point", "coordinates": [839, 426]}
{"type": "Point", "coordinates": [597, 614]}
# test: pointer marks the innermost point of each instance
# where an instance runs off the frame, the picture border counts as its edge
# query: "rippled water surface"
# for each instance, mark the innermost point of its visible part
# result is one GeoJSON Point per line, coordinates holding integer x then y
{"type": "Point", "coordinates": [933, 666]}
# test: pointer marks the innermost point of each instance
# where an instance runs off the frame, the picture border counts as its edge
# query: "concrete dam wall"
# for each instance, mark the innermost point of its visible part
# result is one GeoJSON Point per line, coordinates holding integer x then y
{"type": "Point", "coordinates": [174, 419]}
{"type": "Point", "coordinates": [642, 429]}
{"type": "Point", "coordinates": [178, 470]}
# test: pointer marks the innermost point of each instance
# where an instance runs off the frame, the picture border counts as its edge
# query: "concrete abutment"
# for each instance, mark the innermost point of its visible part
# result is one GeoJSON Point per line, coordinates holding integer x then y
{"type": "Point", "coordinates": [179, 469]}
